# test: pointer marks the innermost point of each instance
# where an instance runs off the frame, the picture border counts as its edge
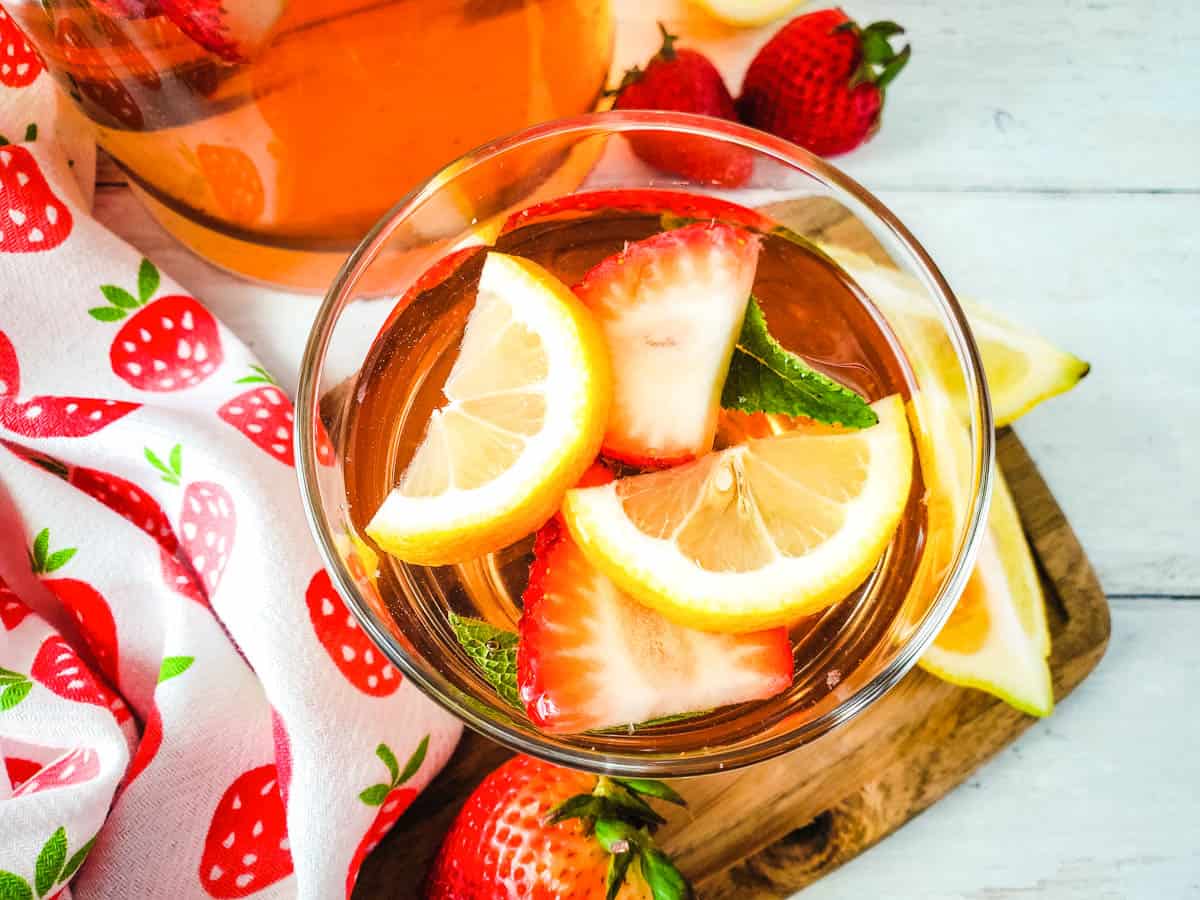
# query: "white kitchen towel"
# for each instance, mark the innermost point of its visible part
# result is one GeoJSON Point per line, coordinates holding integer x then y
{"type": "Point", "coordinates": [182, 693]}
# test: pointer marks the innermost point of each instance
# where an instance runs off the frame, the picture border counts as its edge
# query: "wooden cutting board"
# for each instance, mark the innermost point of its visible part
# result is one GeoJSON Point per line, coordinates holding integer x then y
{"type": "Point", "coordinates": [769, 830]}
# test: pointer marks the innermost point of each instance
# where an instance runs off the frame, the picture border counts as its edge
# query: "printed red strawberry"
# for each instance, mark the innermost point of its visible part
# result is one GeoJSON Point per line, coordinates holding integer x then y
{"type": "Point", "coordinates": [123, 497]}
{"type": "Point", "coordinates": [98, 88]}
{"type": "Point", "coordinates": [84, 602]}
{"type": "Point", "coordinates": [283, 755]}
{"type": "Point", "coordinates": [12, 610]}
{"type": "Point", "coordinates": [671, 307]}
{"type": "Point", "coordinates": [207, 522]}
{"type": "Point", "coordinates": [181, 579]}
{"type": "Point", "coordinates": [19, 62]}
{"type": "Point", "coordinates": [391, 799]}
{"type": "Point", "coordinates": [20, 770]}
{"type": "Point", "coordinates": [168, 344]}
{"type": "Point", "coordinates": [654, 201]}
{"type": "Point", "coordinates": [47, 416]}
{"type": "Point", "coordinates": [820, 81]}
{"type": "Point", "coordinates": [59, 669]}
{"type": "Point", "coordinates": [152, 734]}
{"type": "Point", "coordinates": [247, 846]}
{"type": "Point", "coordinates": [75, 767]}
{"type": "Point", "coordinates": [231, 31]}
{"type": "Point", "coordinates": [264, 414]}
{"type": "Point", "coordinates": [359, 660]}
{"type": "Point", "coordinates": [590, 657]}
{"type": "Point", "coordinates": [533, 829]}
{"type": "Point", "coordinates": [32, 218]}
{"type": "Point", "coordinates": [684, 80]}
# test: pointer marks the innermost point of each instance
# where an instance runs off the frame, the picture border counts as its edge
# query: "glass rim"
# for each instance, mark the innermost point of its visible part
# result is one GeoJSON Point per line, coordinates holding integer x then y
{"type": "Point", "coordinates": [698, 762]}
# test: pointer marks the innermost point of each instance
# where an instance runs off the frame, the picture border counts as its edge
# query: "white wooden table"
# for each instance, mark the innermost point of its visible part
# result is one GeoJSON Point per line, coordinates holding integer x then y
{"type": "Point", "coordinates": [1047, 152]}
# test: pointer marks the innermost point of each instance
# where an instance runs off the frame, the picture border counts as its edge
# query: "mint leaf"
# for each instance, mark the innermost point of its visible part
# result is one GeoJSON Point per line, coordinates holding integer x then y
{"type": "Point", "coordinates": [494, 651]}
{"type": "Point", "coordinates": [765, 377]}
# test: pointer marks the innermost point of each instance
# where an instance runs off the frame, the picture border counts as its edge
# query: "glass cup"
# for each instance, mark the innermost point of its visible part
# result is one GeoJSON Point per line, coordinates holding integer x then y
{"type": "Point", "coordinates": [869, 642]}
{"type": "Point", "coordinates": [269, 135]}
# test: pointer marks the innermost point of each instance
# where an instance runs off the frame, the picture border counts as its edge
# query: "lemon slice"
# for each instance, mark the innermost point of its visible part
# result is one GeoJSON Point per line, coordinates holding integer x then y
{"type": "Point", "coordinates": [748, 13]}
{"type": "Point", "coordinates": [1022, 368]}
{"type": "Point", "coordinates": [529, 397]}
{"type": "Point", "coordinates": [997, 638]}
{"type": "Point", "coordinates": [757, 535]}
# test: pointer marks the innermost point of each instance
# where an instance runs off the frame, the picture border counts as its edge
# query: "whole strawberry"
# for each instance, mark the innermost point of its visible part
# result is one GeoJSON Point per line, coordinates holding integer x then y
{"type": "Point", "coordinates": [532, 829]}
{"type": "Point", "coordinates": [820, 81]}
{"type": "Point", "coordinates": [683, 80]}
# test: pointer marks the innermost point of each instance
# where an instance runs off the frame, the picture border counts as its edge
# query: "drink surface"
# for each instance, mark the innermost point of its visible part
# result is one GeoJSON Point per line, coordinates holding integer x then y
{"type": "Point", "coordinates": [343, 107]}
{"type": "Point", "coordinates": [813, 309]}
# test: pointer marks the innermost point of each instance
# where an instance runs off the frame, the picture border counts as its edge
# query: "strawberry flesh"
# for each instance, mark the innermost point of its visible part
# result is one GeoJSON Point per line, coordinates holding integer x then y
{"type": "Point", "coordinates": [655, 201]}
{"type": "Point", "coordinates": [590, 657]}
{"type": "Point", "coordinates": [671, 307]}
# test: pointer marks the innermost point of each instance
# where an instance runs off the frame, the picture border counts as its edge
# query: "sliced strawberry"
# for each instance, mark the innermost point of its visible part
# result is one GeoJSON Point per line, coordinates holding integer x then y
{"type": "Point", "coordinates": [20, 770]}
{"type": "Point", "coordinates": [590, 657]}
{"type": "Point", "coordinates": [264, 414]}
{"type": "Point", "coordinates": [648, 200]}
{"type": "Point", "coordinates": [32, 218]}
{"type": "Point", "coordinates": [207, 525]}
{"type": "Point", "coordinates": [671, 307]}
{"type": "Point", "coordinates": [231, 31]}
{"type": "Point", "coordinates": [392, 800]}
{"type": "Point", "coordinates": [75, 767]}
{"type": "Point", "coordinates": [19, 62]}
{"type": "Point", "coordinates": [83, 602]}
{"type": "Point", "coordinates": [12, 610]}
{"type": "Point", "coordinates": [359, 660]}
{"type": "Point", "coordinates": [59, 669]}
{"type": "Point", "coordinates": [247, 846]}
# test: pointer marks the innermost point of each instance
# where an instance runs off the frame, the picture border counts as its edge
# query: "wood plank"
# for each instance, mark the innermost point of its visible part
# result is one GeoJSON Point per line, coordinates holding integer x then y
{"type": "Point", "coordinates": [1016, 95]}
{"type": "Point", "coordinates": [858, 783]}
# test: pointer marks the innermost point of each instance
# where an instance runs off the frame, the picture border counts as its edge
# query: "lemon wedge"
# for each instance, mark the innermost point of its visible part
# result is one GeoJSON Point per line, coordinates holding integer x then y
{"type": "Point", "coordinates": [748, 13]}
{"type": "Point", "coordinates": [757, 535]}
{"type": "Point", "coordinates": [528, 401]}
{"type": "Point", "coordinates": [997, 638]}
{"type": "Point", "coordinates": [1022, 368]}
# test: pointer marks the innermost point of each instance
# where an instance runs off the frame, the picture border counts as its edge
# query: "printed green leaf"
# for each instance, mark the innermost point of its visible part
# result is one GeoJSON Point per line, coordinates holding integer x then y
{"type": "Point", "coordinates": [106, 313]}
{"type": "Point", "coordinates": [176, 460]}
{"type": "Point", "coordinates": [118, 296]}
{"type": "Point", "coordinates": [384, 752]}
{"type": "Point", "coordinates": [76, 861]}
{"type": "Point", "coordinates": [375, 794]}
{"type": "Point", "coordinates": [414, 761]}
{"type": "Point", "coordinates": [147, 280]}
{"type": "Point", "coordinates": [59, 558]}
{"type": "Point", "coordinates": [174, 665]}
{"type": "Point", "coordinates": [260, 376]}
{"type": "Point", "coordinates": [14, 887]}
{"type": "Point", "coordinates": [31, 131]}
{"type": "Point", "coordinates": [765, 377]}
{"type": "Point", "coordinates": [4, 142]}
{"type": "Point", "coordinates": [494, 651]}
{"type": "Point", "coordinates": [169, 474]}
{"type": "Point", "coordinates": [50, 862]}
{"type": "Point", "coordinates": [41, 544]}
{"type": "Point", "coordinates": [8, 676]}
{"type": "Point", "coordinates": [14, 694]}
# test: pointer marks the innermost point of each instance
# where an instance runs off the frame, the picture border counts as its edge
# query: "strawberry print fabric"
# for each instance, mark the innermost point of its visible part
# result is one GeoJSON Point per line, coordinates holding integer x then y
{"type": "Point", "coordinates": [186, 707]}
